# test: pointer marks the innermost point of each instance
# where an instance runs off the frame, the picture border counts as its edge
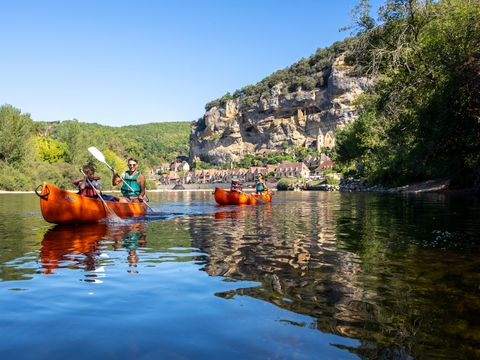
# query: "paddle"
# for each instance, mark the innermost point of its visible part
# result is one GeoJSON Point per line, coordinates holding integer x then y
{"type": "Point", "coordinates": [99, 156]}
{"type": "Point", "coordinates": [110, 210]}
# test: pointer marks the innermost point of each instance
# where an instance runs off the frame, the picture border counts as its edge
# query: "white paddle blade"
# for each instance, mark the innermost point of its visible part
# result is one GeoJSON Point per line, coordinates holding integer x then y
{"type": "Point", "coordinates": [96, 153]}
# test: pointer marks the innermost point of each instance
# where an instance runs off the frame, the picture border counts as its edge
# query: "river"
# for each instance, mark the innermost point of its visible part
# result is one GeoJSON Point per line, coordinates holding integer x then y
{"type": "Point", "coordinates": [313, 275]}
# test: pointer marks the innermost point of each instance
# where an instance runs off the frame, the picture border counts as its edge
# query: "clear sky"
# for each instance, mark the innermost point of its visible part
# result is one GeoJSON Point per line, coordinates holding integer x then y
{"type": "Point", "coordinates": [118, 62]}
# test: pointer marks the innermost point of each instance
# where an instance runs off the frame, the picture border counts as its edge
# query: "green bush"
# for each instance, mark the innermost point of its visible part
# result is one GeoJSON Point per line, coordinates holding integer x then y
{"type": "Point", "coordinates": [150, 185]}
{"type": "Point", "coordinates": [332, 180]}
{"type": "Point", "coordinates": [12, 179]}
{"type": "Point", "coordinates": [283, 184]}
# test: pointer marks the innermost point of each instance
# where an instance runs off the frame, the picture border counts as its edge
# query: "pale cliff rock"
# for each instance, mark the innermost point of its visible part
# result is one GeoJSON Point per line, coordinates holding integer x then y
{"type": "Point", "coordinates": [228, 132]}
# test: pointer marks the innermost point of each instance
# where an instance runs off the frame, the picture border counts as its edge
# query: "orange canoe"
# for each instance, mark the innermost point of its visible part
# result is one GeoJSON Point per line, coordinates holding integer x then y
{"type": "Point", "coordinates": [64, 207]}
{"type": "Point", "coordinates": [226, 197]}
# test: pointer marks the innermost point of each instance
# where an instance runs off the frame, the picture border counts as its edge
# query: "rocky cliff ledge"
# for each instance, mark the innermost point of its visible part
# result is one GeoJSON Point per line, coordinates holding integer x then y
{"type": "Point", "coordinates": [229, 131]}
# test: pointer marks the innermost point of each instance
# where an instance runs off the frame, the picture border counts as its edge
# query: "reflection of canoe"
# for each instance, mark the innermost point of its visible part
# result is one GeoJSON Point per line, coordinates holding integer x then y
{"type": "Point", "coordinates": [65, 207]}
{"type": "Point", "coordinates": [64, 243]}
{"type": "Point", "coordinates": [232, 214]}
{"type": "Point", "coordinates": [225, 197]}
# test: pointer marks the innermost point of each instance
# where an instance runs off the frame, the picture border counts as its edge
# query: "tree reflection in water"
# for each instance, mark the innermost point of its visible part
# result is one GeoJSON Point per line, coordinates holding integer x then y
{"type": "Point", "coordinates": [356, 268]}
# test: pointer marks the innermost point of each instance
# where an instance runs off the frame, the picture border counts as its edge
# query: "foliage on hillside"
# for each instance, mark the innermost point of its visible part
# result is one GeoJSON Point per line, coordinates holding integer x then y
{"type": "Point", "coordinates": [422, 119]}
{"type": "Point", "coordinates": [32, 152]}
{"type": "Point", "coordinates": [306, 74]}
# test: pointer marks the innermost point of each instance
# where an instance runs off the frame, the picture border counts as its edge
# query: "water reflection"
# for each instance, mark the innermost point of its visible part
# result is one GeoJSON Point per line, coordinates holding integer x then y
{"type": "Point", "coordinates": [366, 268]}
{"type": "Point", "coordinates": [64, 246]}
{"type": "Point", "coordinates": [83, 247]}
{"type": "Point", "coordinates": [397, 274]}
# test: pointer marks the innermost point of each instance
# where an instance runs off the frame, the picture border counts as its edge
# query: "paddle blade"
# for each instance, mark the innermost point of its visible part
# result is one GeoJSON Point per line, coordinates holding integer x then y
{"type": "Point", "coordinates": [96, 153]}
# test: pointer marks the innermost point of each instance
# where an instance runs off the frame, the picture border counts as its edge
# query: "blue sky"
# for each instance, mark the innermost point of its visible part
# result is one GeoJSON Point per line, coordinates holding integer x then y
{"type": "Point", "coordinates": [134, 62]}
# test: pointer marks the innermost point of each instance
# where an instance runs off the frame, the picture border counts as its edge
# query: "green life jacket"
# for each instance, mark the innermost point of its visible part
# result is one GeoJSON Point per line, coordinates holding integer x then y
{"type": "Point", "coordinates": [132, 181]}
{"type": "Point", "coordinates": [259, 187]}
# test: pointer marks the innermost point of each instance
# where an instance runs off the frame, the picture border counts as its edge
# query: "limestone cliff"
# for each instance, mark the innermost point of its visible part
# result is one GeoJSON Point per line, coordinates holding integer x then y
{"type": "Point", "coordinates": [232, 129]}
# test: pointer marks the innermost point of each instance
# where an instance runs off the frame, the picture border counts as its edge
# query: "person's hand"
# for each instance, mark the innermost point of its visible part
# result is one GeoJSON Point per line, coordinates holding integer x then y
{"type": "Point", "coordinates": [141, 197]}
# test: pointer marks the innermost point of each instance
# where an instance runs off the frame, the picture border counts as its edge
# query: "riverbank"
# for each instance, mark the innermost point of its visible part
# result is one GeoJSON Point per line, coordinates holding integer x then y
{"type": "Point", "coordinates": [346, 185]}
{"type": "Point", "coordinates": [356, 185]}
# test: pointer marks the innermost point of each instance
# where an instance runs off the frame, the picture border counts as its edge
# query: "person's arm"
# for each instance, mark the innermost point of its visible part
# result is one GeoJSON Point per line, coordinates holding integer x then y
{"type": "Point", "coordinates": [141, 182]}
{"type": "Point", "coordinates": [264, 185]}
{"type": "Point", "coordinates": [98, 187]}
{"type": "Point", "coordinates": [116, 178]}
{"type": "Point", "coordinates": [83, 184]}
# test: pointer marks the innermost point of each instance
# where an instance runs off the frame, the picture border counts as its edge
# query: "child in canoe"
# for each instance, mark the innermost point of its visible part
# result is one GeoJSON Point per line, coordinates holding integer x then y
{"type": "Point", "coordinates": [236, 185]}
{"type": "Point", "coordinates": [89, 185]}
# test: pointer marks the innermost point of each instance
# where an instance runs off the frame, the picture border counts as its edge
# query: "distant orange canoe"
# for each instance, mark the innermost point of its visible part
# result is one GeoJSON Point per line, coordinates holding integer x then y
{"type": "Point", "coordinates": [64, 207]}
{"type": "Point", "coordinates": [226, 197]}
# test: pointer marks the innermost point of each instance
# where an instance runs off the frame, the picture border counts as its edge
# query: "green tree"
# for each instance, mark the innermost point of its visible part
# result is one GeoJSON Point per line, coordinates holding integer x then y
{"type": "Point", "coordinates": [49, 149]}
{"type": "Point", "coordinates": [69, 132]}
{"type": "Point", "coordinates": [15, 135]}
{"type": "Point", "coordinates": [421, 119]}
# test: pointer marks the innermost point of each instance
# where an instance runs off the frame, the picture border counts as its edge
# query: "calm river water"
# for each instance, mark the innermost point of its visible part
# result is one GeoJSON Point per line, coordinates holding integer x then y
{"type": "Point", "coordinates": [311, 276]}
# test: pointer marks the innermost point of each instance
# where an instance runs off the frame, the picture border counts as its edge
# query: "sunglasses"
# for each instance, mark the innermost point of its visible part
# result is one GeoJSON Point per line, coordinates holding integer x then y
{"type": "Point", "coordinates": [132, 165]}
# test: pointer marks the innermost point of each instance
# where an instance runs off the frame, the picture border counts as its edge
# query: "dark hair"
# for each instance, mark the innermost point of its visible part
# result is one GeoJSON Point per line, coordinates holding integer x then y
{"type": "Point", "coordinates": [132, 159]}
{"type": "Point", "coordinates": [89, 167]}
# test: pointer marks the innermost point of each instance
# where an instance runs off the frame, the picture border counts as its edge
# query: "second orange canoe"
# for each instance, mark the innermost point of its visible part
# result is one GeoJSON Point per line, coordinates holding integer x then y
{"type": "Point", "coordinates": [226, 197]}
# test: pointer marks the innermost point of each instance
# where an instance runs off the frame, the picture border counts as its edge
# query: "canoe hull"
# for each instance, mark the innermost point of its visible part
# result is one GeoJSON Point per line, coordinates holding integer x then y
{"type": "Point", "coordinates": [226, 197]}
{"type": "Point", "coordinates": [64, 207]}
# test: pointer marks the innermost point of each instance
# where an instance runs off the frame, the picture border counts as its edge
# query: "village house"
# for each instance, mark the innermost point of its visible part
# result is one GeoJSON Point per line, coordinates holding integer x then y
{"type": "Point", "coordinates": [289, 169]}
{"type": "Point", "coordinates": [179, 166]}
{"type": "Point", "coordinates": [323, 166]}
{"type": "Point", "coordinates": [325, 163]}
{"type": "Point", "coordinates": [163, 168]}
{"type": "Point", "coordinates": [169, 178]}
{"type": "Point", "coordinates": [311, 161]}
{"type": "Point", "coordinates": [184, 167]}
{"type": "Point", "coordinates": [253, 172]}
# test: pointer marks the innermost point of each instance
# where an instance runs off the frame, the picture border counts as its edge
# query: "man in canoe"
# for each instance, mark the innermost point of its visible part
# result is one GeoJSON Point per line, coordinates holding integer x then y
{"type": "Point", "coordinates": [89, 185]}
{"type": "Point", "coordinates": [135, 190]}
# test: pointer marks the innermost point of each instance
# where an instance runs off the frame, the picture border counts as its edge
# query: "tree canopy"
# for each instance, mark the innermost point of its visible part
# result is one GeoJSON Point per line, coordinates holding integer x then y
{"type": "Point", "coordinates": [32, 152]}
{"type": "Point", "coordinates": [421, 120]}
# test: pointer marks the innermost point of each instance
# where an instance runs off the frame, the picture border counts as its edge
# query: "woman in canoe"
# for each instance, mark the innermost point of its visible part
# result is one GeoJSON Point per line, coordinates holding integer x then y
{"type": "Point", "coordinates": [135, 190]}
{"type": "Point", "coordinates": [261, 185]}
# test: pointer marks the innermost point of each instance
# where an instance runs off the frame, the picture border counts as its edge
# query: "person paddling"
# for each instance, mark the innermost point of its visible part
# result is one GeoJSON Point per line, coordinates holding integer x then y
{"type": "Point", "coordinates": [89, 185]}
{"type": "Point", "coordinates": [236, 185]}
{"type": "Point", "coordinates": [135, 180]}
{"type": "Point", "coordinates": [261, 185]}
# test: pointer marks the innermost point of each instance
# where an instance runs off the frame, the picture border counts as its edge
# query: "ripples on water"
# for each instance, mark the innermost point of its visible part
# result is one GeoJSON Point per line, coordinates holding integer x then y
{"type": "Point", "coordinates": [312, 275]}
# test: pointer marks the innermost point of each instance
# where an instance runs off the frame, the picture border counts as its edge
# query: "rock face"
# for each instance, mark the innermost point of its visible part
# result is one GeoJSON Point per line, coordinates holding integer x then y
{"type": "Point", "coordinates": [228, 132]}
